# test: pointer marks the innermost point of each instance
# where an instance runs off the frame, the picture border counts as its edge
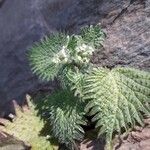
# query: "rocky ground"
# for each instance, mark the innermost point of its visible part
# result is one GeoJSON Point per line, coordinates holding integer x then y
{"type": "Point", "coordinates": [137, 139]}
{"type": "Point", "coordinates": [8, 142]}
{"type": "Point", "coordinates": [125, 22]}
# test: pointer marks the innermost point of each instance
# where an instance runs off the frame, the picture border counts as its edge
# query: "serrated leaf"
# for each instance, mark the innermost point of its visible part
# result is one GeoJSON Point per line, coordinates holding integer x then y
{"type": "Point", "coordinates": [93, 35]}
{"type": "Point", "coordinates": [117, 97]}
{"type": "Point", "coordinates": [66, 115]}
{"type": "Point", "coordinates": [45, 57]}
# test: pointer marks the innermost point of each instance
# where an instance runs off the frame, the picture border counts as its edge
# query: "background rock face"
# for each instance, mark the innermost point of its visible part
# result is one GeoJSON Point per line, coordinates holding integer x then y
{"type": "Point", "coordinates": [22, 22]}
{"type": "Point", "coordinates": [128, 38]}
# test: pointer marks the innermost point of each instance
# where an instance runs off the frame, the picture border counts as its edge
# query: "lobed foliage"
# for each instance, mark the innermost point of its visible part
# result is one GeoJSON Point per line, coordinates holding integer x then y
{"type": "Point", "coordinates": [65, 114]}
{"type": "Point", "coordinates": [49, 57]}
{"type": "Point", "coordinates": [93, 36]}
{"type": "Point", "coordinates": [116, 99]}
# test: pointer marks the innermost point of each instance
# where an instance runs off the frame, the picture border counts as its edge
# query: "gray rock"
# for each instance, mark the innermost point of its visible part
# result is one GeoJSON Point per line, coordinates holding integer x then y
{"type": "Point", "coordinates": [22, 22]}
{"type": "Point", "coordinates": [128, 39]}
{"type": "Point", "coordinates": [8, 142]}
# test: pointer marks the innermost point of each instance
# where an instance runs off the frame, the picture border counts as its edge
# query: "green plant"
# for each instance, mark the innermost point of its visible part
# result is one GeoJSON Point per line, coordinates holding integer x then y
{"type": "Point", "coordinates": [118, 98]}
{"type": "Point", "coordinates": [115, 98]}
{"type": "Point", "coordinates": [65, 115]}
{"type": "Point", "coordinates": [26, 126]}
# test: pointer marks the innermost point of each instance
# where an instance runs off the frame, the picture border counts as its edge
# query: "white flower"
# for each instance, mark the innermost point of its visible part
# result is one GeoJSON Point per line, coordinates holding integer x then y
{"type": "Point", "coordinates": [83, 53]}
{"type": "Point", "coordinates": [61, 56]}
{"type": "Point", "coordinates": [85, 48]}
{"type": "Point", "coordinates": [56, 60]}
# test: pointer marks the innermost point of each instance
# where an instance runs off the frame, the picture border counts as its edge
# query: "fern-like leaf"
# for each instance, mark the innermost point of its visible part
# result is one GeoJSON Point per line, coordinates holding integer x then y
{"type": "Point", "coordinates": [48, 56]}
{"type": "Point", "coordinates": [27, 126]}
{"type": "Point", "coordinates": [66, 115]}
{"type": "Point", "coordinates": [51, 55]}
{"type": "Point", "coordinates": [117, 97]}
{"type": "Point", "coordinates": [76, 80]}
{"type": "Point", "coordinates": [93, 35]}
{"type": "Point", "coordinates": [73, 79]}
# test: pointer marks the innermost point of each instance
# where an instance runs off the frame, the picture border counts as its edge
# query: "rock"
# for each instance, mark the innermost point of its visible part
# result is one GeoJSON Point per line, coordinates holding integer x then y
{"type": "Point", "coordinates": [94, 11]}
{"type": "Point", "coordinates": [21, 24]}
{"type": "Point", "coordinates": [145, 145]}
{"type": "Point", "coordinates": [126, 23]}
{"type": "Point", "coordinates": [128, 39]}
{"type": "Point", "coordinates": [97, 144]}
{"type": "Point", "coordinates": [8, 142]}
{"type": "Point", "coordinates": [137, 139]}
{"type": "Point", "coordinates": [1, 2]}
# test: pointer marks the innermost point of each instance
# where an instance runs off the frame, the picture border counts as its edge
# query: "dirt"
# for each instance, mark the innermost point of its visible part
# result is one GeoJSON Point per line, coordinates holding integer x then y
{"type": "Point", "coordinates": [137, 139]}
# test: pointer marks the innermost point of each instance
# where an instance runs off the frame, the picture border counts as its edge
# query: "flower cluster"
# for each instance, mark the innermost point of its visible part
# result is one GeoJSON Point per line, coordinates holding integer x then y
{"type": "Point", "coordinates": [83, 53]}
{"type": "Point", "coordinates": [61, 57]}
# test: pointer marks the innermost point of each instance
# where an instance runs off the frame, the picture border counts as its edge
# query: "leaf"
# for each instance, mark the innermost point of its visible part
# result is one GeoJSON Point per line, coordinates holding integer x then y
{"type": "Point", "coordinates": [52, 54]}
{"type": "Point", "coordinates": [66, 115]}
{"type": "Point", "coordinates": [76, 80]}
{"type": "Point", "coordinates": [117, 98]}
{"type": "Point", "coordinates": [48, 56]}
{"type": "Point", "coordinates": [93, 35]}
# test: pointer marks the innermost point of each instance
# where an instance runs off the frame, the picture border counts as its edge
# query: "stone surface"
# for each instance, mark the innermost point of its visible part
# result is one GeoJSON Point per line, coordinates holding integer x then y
{"type": "Point", "coordinates": [21, 24]}
{"type": "Point", "coordinates": [128, 39]}
{"type": "Point", "coordinates": [126, 23]}
{"type": "Point", "coordinates": [138, 139]}
{"type": "Point", "coordinates": [8, 142]}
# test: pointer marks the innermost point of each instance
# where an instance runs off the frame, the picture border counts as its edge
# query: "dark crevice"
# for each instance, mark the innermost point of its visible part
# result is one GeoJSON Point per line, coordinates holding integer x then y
{"type": "Point", "coordinates": [2, 2]}
{"type": "Point", "coordinates": [120, 14]}
{"type": "Point", "coordinates": [125, 9]}
{"type": "Point", "coordinates": [122, 11]}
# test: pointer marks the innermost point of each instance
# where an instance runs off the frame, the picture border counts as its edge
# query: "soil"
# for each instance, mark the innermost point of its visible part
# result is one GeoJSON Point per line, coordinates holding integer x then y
{"type": "Point", "coordinates": [137, 139]}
